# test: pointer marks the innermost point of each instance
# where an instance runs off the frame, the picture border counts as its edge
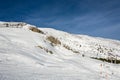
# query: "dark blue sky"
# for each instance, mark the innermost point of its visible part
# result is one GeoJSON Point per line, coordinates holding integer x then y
{"type": "Point", "coordinates": [92, 17]}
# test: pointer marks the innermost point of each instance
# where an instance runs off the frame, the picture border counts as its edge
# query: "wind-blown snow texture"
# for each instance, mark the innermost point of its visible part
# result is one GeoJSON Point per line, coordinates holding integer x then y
{"type": "Point", "coordinates": [28, 55]}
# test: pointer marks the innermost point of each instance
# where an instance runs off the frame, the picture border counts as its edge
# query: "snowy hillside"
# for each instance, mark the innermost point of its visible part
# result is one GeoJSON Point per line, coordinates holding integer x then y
{"type": "Point", "coordinates": [31, 53]}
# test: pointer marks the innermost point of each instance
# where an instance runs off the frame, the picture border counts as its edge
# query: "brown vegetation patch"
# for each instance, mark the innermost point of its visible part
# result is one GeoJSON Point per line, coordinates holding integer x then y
{"type": "Point", "coordinates": [34, 29]}
{"type": "Point", "coordinates": [115, 61]}
{"type": "Point", "coordinates": [67, 47]}
{"type": "Point", "coordinates": [48, 51]}
{"type": "Point", "coordinates": [53, 40]}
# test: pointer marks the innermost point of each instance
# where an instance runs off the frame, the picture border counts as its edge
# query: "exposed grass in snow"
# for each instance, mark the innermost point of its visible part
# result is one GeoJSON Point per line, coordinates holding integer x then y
{"type": "Point", "coordinates": [67, 47]}
{"type": "Point", "coordinates": [53, 40]}
{"type": "Point", "coordinates": [34, 29]}
{"type": "Point", "coordinates": [48, 51]}
{"type": "Point", "coordinates": [103, 49]}
{"type": "Point", "coordinates": [13, 24]}
{"type": "Point", "coordinates": [115, 61]}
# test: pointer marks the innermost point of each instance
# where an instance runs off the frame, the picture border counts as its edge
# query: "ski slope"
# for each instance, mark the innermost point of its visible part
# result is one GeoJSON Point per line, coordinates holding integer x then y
{"type": "Point", "coordinates": [29, 55]}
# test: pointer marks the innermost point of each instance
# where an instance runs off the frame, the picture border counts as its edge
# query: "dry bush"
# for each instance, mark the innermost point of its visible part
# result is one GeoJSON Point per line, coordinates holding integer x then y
{"type": "Point", "coordinates": [53, 40]}
{"type": "Point", "coordinates": [34, 29]}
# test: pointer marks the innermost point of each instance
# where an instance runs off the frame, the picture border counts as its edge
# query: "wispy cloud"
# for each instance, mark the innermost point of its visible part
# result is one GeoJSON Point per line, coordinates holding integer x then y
{"type": "Point", "coordinates": [91, 17]}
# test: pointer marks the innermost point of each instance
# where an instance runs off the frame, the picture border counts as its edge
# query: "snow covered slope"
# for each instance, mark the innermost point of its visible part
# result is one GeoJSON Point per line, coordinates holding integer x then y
{"type": "Point", "coordinates": [31, 53]}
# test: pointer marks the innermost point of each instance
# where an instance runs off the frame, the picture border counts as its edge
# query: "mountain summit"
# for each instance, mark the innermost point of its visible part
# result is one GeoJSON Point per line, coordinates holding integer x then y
{"type": "Point", "coordinates": [28, 52]}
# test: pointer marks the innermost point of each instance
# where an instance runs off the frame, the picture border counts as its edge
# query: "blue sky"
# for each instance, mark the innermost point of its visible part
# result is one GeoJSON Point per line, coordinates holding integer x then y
{"type": "Point", "coordinates": [99, 18]}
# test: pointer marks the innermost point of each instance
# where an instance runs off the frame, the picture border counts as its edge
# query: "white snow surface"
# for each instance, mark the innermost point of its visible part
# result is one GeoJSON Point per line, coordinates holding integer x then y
{"type": "Point", "coordinates": [21, 58]}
